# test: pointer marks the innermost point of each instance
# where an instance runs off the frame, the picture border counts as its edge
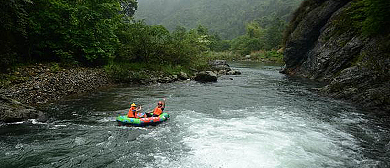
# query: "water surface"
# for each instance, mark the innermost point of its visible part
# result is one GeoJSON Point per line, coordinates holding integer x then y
{"type": "Point", "coordinates": [259, 119]}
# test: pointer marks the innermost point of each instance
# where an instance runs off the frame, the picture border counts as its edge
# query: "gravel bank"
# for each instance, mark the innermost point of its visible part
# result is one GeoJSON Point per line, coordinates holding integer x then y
{"type": "Point", "coordinates": [27, 87]}
{"type": "Point", "coordinates": [42, 84]}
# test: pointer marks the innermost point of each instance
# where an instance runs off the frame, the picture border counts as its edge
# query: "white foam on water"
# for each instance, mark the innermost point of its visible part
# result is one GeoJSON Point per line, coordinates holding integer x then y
{"type": "Point", "coordinates": [229, 143]}
{"type": "Point", "coordinates": [35, 121]}
{"type": "Point", "coordinates": [15, 123]}
{"type": "Point", "coordinates": [274, 139]}
{"type": "Point", "coordinates": [29, 121]}
{"type": "Point", "coordinates": [58, 126]}
{"type": "Point", "coordinates": [106, 119]}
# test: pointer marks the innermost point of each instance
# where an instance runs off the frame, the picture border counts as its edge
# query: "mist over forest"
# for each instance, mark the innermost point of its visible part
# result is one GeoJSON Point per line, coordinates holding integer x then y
{"type": "Point", "coordinates": [226, 18]}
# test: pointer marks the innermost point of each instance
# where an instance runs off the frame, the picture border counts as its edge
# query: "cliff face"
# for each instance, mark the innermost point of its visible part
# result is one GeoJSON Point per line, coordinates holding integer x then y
{"type": "Point", "coordinates": [322, 45]}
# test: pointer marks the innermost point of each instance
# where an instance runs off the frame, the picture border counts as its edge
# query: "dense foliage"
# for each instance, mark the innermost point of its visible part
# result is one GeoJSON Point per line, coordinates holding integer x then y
{"type": "Point", "coordinates": [92, 32]}
{"type": "Point", "coordinates": [14, 22]}
{"type": "Point", "coordinates": [102, 32]}
{"type": "Point", "coordinates": [239, 27]}
{"type": "Point", "coordinates": [224, 17]}
{"type": "Point", "coordinates": [146, 49]}
{"type": "Point", "coordinates": [77, 31]}
{"type": "Point", "coordinates": [61, 30]}
{"type": "Point", "coordinates": [156, 45]}
{"type": "Point", "coordinates": [262, 34]}
{"type": "Point", "coordinates": [372, 16]}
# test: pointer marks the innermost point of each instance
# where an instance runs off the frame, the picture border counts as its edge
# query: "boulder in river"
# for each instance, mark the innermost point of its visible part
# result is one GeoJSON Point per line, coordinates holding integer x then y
{"type": "Point", "coordinates": [218, 65]}
{"type": "Point", "coordinates": [14, 111]}
{"type": "Point", "coordinates": [206, 76]}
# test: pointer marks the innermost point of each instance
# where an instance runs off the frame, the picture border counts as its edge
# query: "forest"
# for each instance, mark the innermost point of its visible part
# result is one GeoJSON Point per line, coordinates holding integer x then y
{"type": "Point", "coordinates": [167, 35]}
{"type": "Point", "coordinates": [240, 27]}
{"type": "Point", "coordinates": [105, 33]}
{"type": "Point", "coordinates": [227, 18]}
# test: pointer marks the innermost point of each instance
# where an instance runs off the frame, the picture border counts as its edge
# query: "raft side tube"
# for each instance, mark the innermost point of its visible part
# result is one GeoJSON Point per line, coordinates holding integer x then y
{"type": "Point", "coordinates": [124, 120]}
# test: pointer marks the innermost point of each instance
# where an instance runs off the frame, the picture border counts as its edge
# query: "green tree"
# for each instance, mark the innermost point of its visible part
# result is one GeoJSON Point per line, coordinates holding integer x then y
{"type": "Point", "coordinates": [273, 35]}
{"type": "Point", "coordinates": [225, 17]}
{"type": "Point", "coordinates": [265, 33]}
{"type": "Point", "coordinates": [13, 28]}
{"type": "Point", "coordinates": [61, 30]}
{"type": "Point", "coordinates": [81, 31]}
{"type": "Point", "coordinates": [156, 45]}
{"type": "Point", "coordinates": [141, 42]}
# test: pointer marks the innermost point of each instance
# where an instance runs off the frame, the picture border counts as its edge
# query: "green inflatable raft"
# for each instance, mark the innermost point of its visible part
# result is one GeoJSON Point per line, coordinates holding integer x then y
{"type": "Point", "coordinates": [124, 120]}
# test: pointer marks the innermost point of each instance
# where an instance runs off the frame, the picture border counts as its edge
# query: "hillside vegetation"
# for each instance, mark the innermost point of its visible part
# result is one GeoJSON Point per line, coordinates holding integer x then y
{"type": "Point", "coordinates": [104, 33]}
{"type": "Point", "coordinates": [94, 34]}
{"type": "Point", "coordinates": [227, 18]}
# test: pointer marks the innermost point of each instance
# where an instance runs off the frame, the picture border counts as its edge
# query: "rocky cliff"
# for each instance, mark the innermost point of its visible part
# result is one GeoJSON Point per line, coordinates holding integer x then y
{"type": "Point", "coordinates": [322, 44]}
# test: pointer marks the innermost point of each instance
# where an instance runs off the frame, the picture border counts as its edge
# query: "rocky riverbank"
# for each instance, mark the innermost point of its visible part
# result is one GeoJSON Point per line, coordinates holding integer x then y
{"type": "Point", "coordinates": [40, 84]}
{"type": "Point", "coordinates": [29, 86]}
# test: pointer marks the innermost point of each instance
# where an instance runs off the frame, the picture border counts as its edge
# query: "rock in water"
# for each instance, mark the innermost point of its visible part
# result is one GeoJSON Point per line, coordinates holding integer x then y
{"type": "Point", "coordinates": [206, 76]}
{"type": "Point", "coordinates": [218, 65]}
{"type": "Point", "coordinates": [14, 111]}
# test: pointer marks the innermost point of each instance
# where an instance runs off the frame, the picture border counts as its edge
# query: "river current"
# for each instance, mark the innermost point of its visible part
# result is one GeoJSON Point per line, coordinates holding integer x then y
{"type": "Point", "coordinates": [260, 119]}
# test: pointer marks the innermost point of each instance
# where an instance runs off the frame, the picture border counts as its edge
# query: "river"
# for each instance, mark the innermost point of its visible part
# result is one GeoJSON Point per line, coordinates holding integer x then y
{"type": "Point", "coordinates": [260, 119]}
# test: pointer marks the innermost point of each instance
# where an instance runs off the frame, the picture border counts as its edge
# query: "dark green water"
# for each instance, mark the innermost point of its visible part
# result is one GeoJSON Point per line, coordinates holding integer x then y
{"type": "Point", "coordinates": [258, 119]}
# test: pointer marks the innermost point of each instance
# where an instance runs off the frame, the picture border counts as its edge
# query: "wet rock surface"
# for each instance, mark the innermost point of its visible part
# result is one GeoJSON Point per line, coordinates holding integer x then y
{"type": "Point", "coordinates": [356, 67]}
{"type": "Point", "coordinates": [206, 76]}
{"type": "Point", "coordinates": [14, 111]}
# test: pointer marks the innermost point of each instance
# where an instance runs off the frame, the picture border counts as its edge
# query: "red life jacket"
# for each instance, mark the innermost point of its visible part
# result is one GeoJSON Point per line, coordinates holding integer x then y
{"type": "Point", "coordinates": [157, 111]}
{"type": "Point", "coordinates": [132, 112]}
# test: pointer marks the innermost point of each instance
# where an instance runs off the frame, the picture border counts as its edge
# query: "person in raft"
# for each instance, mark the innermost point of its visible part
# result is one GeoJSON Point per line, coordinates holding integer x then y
{"type": "Point", "coordinates": [159, 109]}
{"type": "Point", "coordinates": [135, 112]}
